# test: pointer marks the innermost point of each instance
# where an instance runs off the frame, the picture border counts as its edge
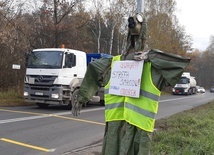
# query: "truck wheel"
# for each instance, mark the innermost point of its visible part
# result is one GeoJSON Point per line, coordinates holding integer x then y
{"type": "Point", "coordinates": [102, 102]}
{"type": "Point", "coordinates": [69, 106]}
{"type": "Point", "coordinates": [191, 91]}
{"type": "Point", "coordinates": [194, 91]}
{"type": "Point", "coordinates": [42, 105]}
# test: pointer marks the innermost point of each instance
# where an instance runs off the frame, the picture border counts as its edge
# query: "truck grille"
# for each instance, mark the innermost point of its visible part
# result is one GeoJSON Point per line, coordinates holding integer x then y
{"type": "Point", "coordinates": [181, 90]}
{"type": "Point", "coordinates": [42, 79]}
{"type": "Point", "coordinates": [41, 87]}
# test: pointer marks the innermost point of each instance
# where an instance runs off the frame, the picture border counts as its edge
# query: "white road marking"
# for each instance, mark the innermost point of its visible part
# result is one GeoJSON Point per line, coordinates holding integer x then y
{"type": "Point", "coordinates": [180, 98]}
{"type": "Point", "coordinates": [43, 116]}
{"type": "Point", "coordinates": [69, 113]}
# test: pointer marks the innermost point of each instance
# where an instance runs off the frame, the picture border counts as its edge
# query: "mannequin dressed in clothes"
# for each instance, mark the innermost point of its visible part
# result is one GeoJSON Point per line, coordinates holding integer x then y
{"type": "Point", "coordinates": [122, 136]}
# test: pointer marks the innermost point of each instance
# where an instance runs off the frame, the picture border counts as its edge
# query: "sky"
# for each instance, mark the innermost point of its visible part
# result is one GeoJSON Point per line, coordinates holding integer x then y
{"type": "Point", "coordinates": [197, 18]}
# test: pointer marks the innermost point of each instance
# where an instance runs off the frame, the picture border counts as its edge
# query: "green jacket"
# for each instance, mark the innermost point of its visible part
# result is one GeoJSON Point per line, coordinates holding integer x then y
{"type": "Point", "coordinates": [166, 71]}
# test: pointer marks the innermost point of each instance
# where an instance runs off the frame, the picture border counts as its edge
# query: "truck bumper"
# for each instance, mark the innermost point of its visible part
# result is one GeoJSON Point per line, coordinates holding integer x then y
{"type": "Point", "coordinates": [179, 91]}
{"type": "Point", "coordinates": [47, 95]}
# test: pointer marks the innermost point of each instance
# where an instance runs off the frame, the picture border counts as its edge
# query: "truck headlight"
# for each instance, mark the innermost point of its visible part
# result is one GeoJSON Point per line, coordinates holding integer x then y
{"type": "Point", "coordinates": [54, 95]}
{"type": "Point", "coordinates": [185, 89]}
{"type": "Point", "coordinates": [26, 93]}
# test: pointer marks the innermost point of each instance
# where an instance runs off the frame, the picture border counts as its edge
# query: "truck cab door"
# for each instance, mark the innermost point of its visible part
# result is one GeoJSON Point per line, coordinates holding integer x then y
{"type": "Point", "coordinates": [70, 60]}
{"type": "Point", "coordinates": [69, 67]}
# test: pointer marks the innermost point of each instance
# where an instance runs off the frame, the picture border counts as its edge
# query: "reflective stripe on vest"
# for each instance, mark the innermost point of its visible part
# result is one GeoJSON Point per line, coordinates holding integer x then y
{"type": "Point", "coordinates": [137, 111]}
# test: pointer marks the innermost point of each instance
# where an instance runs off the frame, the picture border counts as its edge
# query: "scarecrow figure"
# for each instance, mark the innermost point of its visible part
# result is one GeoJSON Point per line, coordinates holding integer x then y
{"type": "Point", "coordinates": [130, 121]}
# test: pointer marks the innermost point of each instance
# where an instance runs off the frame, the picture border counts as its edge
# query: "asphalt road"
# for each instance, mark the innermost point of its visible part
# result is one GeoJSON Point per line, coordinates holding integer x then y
{"type": "Point", "coordinates": [30, 130]}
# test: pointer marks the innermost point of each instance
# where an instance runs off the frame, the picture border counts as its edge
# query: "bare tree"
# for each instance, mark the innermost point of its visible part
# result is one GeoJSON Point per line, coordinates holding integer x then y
{"type": "Point", "coordinates": [119, 11]}
{"type": "Point", "coordinates": [11, 44]}
{"type": "Point", "coordinates": [97, 15]}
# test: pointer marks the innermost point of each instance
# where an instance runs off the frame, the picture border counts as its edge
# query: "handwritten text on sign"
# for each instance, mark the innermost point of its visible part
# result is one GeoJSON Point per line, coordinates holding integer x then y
{"type": "Point", "coordinates": [126, 78]}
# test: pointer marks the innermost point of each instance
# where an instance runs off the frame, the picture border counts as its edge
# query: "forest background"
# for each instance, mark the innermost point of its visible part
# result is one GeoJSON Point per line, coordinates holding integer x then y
{"type": "Point", "coordinates": [93, 26]}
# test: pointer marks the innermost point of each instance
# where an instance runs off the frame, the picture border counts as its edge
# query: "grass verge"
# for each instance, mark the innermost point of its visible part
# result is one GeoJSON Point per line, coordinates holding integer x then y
{"type": "Point", "coordinates": [188, 133]}
{"type": "Point", "coordinates": [11, 98]}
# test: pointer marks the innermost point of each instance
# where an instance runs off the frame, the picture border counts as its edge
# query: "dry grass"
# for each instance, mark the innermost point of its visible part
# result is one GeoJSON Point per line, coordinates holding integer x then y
{"type": "Point", "coordinates": [12, 98]}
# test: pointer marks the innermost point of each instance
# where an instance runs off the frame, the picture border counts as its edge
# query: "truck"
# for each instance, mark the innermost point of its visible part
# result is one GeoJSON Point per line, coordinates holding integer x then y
{"type": "Point", "coordinates": [54, 75]}
{"type": "Point", "coordinates": [186, 85]}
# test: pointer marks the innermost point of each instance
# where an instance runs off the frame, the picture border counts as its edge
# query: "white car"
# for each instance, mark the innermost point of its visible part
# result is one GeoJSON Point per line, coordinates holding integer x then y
{"type": "Point", "coordinates": [201, 90]}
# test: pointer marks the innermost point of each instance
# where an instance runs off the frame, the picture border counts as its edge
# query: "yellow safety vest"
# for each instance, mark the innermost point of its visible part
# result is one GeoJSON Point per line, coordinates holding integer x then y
{"type": "Point", "coordinates": [140, 111]}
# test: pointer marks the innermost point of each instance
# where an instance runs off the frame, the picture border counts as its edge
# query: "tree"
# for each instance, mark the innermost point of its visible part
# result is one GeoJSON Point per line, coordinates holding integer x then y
{"type": "Point", "coordinates": [52, 23]}
{"type": "Point", "coordinates": [117, 23]}
{"type": "Point", "coordinates": [96, 29]}
{"type": "Point", "coordinates": [49, 23]}
{"type": "Point", "coordinates": [211, 44]}
{"type": "Point", "coordinates": [164, 33]}
{"type": "Point", "coordinates": [11, 45]}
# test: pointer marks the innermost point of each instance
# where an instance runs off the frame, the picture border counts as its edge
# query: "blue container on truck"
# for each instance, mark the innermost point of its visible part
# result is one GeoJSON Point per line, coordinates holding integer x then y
{"type": "Point", "coordinates": [94, 56]}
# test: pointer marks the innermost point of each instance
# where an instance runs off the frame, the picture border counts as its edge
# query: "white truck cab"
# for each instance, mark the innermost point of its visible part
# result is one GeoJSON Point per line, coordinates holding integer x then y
{"type": "Point", "coordinates": [54, 75]}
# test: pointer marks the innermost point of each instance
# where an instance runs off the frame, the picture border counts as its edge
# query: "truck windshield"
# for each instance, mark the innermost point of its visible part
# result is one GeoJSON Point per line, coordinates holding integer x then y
{"type": "Point", "coordinates": [183, 81]}
{"type": "Point", "coordinates": [45, 59]}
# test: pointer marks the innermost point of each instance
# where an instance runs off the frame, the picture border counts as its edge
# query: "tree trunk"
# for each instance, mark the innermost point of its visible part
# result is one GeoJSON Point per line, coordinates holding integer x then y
{"type": "Point", "coordinates": [98, 38]}
{"type": "Point", "coordinates": [111, 40]}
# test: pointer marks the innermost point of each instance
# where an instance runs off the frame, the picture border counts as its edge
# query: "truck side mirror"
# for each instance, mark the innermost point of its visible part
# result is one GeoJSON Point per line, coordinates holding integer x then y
{"type": "Point", "coordinates": [70, 60]}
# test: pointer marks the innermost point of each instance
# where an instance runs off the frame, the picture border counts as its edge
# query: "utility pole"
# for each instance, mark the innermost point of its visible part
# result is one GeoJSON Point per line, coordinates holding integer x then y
{"type": "Point", "coordinates": [140, 6]}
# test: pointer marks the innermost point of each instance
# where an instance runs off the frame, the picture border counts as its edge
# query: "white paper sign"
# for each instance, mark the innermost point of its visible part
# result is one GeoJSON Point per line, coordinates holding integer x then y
{"type": "Point", "coordinates": [126, 78]}
{"type": "Point", "coordinates": [15, 66]}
